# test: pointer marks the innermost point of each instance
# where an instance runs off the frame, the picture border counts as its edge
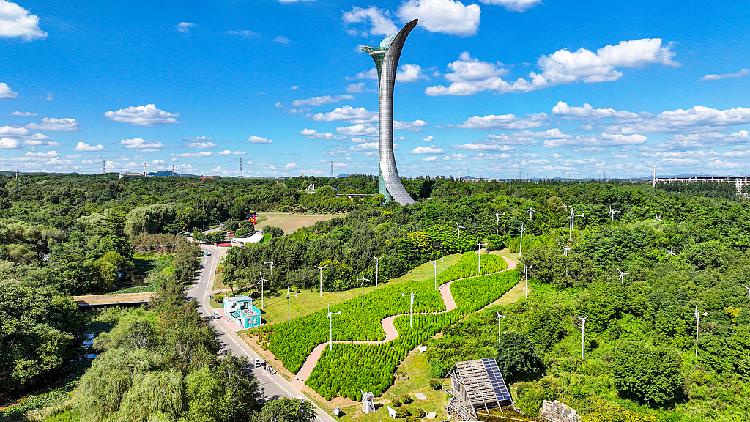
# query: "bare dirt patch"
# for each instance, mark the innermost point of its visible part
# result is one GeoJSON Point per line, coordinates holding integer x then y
{"type": "Point", "coordinates": [291, 222]}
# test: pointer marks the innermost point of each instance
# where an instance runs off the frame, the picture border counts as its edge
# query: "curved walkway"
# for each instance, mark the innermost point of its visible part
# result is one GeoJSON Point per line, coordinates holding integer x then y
{"type": "Point", "coordinates": [388, 327]}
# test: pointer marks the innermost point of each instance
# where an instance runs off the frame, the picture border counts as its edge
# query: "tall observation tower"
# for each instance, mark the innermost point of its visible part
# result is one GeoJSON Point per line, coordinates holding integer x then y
{"type": "Point", "coordinates": [386, 57]}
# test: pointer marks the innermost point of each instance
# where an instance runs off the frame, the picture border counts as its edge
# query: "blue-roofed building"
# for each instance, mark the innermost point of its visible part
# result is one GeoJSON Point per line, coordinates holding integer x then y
{"type": "Point", "coordinates": [240, 309]}
{"type": "Point", "coordinates": [476, 386]}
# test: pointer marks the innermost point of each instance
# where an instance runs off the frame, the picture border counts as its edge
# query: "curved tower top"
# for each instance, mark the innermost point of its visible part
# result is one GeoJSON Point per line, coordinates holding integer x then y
{"type": "Point", "coordinates": [386, 57]}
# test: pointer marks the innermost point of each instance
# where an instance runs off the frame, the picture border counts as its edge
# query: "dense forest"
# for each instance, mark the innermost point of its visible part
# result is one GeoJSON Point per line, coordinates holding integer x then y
{"type": "Point", "coordinates": [680, 248]}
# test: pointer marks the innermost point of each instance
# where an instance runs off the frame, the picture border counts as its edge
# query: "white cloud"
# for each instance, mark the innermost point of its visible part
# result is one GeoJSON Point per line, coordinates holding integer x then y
{"type": "Point", "coordinates": [141, 144]}
{"type": "Point", "coordinates": [51, 123]}
{"type": "Point", "coordinates": [83, 146]}
{"type": "Point", "coordinates": [5, 91]}
{"type": "Point", "coordinates": [290, 166]}
{"type": "Point", "coordinates": [146, 115]}
{"type": "Point", "coordinates": [514, 5]}
{"type": "Point", "coordinates": [13, 131]}
{"type": "Point", "coordinates": [743, 134]}
{"type": "Point", "coordinates": [587, 111]}
{"type": "Point", "coordinates": [371, 73]}
{"type": "Point", "coordinates": [733, 75]}
{"type": "Point", "coordinates": [483, 147]}
{"type": "Point", "coordinates": [321, 100]}
{"type": "Point", "coordinates": [201, 145]}
{"type": "Point", "coordinates": [9, 143]}
{"type": "Point", "coordinates": [380, 24]}
{"type": "Point", "coordinates": [620, 139]}
{"type": "Point", "coordinates": [39, 139]}
{"type": "Point", "coordinates": [428, 138]}
{"type": "Point", "coordinates": [694, 118]}
{"type": "Point", "coordinates": [17, 22]}
{"type": "Point", "coordinates": [314, 134]}
{"type": "Point", "coordinates": [427, 150]}
{"type": "Point", "coordinates": [409, 73]}
{"type": "Point", "coordinates": [199, 154]}
{"type": "Point", "coordinates": [355, 88]}
{"type": "Point", "coordinates": [280, 39]}
{"type": "Point", "coordinates": [243, 33]}
{"type": "Point", "coordinates": [504, 121]}
{"type": "Point", "coordinates": [253, 139]}
{"type": "Point", "coordinates": [415, 125]}
{"type": "Point", "coordinates": [346, 113]}
{"type": "Point", "coordinates": [230, 152]}
{"type": "Point", "coordinates": [184, 27]}
{"type": "Point", "coordinates": [446, 16]}
{"type": "Point", "coordinates": [430, 158]}
{"type": "Point", "coordinates": [367, 146]}
{"type": "Point", "coordinates": [23, 114]}
{"type": "Point", "coordinates": [359, 129]}
{"type": "Point", "coordinates": [469, 76]}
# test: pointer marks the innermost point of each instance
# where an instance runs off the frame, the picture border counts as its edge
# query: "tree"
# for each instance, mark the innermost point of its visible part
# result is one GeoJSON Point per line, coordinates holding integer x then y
{"type": "Point", "coordinates": [286, 410]}
{"type": "Point", "coordinates": [517, 358]}
{"type": "Point", "coordinates": [648, 374]}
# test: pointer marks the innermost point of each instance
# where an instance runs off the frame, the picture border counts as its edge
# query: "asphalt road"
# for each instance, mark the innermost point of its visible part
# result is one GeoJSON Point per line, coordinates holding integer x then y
{"type": "Point", "coordinates": [273, 385]}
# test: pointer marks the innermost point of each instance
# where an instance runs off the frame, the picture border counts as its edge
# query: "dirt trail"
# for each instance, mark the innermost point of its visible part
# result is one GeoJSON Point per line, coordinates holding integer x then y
{"type": "Point", "coordinates": [388, 327]}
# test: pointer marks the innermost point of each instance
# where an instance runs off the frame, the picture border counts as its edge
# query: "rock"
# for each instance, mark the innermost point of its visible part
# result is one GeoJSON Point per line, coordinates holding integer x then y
{"type": "Point", "coordinates": [431, 415]}
{"type": "Point", "coordinates": [420, 396]}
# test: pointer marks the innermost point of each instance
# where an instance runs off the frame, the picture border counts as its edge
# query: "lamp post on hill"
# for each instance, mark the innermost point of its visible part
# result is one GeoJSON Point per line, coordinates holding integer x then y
{"type": "Point", "coordinates": [321, 268]}
{"type": "Point", "coordinates": [583, 336]}
{"type": "Point", "coordinates": [698, 327]}
{"type": "Point", "coordinates": [262, 288]}
{"type": "Point", "coordinates": [520, 243]}
{"type": "Point", "coordinates": [377, 269]}
{"type": "Point", "coordinates": [434, 272]}
{"type": "Point", "coordinates": [458, 230]}
{"type": "Point", "coordinates": [497, 222]}
{"type": "Point", "coordinates": [479, 258]}
{"type": "Point", "coordinates": [622, 276]}
{"type": "Point", "coordinates": [362, 280]}
{"type": "Point", "coordinates": [269, 263]}
{"type": "Point", "coordinates": [499, 317]}
{"type": "Point", "coordinates": [330, 326]}
{"type": "Point", "coordinates": [572, 219]}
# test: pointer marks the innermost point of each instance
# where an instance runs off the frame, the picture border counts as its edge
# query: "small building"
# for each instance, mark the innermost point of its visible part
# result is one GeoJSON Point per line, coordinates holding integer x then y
{"type": "Point", "coordinates": [240, 309]}
{"type": "Point", "coordinates": [476, 386]}
{"type": "Point", "coordinates": [242, 241]}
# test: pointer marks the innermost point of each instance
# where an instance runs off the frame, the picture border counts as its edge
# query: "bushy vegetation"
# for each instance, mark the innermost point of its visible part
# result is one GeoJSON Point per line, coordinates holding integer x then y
{"type": "Point", "coordinates": [348, 369]}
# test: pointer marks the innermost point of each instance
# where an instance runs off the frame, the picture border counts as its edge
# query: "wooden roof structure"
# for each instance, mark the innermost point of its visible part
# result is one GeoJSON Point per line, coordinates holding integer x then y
{"type": "Point", "coordinates": [476, 385]}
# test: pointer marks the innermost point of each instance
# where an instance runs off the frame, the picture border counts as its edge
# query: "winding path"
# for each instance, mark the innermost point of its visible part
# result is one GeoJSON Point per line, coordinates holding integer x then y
{"type": "Point", "coordinates": [388, 327]}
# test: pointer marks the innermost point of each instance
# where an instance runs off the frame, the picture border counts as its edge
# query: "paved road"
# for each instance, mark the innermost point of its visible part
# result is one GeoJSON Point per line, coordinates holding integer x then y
{"type": "Point", "coordinates": [273, 385]}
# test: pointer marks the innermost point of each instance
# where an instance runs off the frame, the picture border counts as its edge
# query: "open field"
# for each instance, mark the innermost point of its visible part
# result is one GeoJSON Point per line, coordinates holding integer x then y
{"type": "Point", "coordinates": [291, 222]}
{"type": "Point", "coordinates": [306, 302]}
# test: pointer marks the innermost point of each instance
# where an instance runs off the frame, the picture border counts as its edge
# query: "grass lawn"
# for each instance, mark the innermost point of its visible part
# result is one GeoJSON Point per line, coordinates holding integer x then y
{"type": "Point", "coordinates": [306, 302]}
{"type": "Point", "coordinates": [290, 222]}
{"type": "Point", "coordinates": [412, 377]}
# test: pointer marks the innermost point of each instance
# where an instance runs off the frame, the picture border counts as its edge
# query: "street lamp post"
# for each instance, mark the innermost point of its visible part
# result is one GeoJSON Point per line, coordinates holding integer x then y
{"type": "Point", "coordinates": [262, 288]}
{"type": "Point", "coordinates": [377, 270]}
{"type": "Point", "coordinates": [362, 279]}
{"type": "Point", "coordinates": [520, 243]}
{"type": "Point", "coordinates": [434, 271]}
{"type": "Point", "coordinates": [479, 258]}
{"type": "Point", "coordinates": [270, 263]}
{"type": "Point", "coordinates": [411, 310]}
{"type": "Point", "coordinates": [698, 327]}
{"type": "Point", "coordinates": [583, 336]}
{"type": "Point", "coordinates": [499, 317]}
{"type": "Point", "coordinates": [320, 268]}
{"type": "Point", "coordinates": [330, 326]}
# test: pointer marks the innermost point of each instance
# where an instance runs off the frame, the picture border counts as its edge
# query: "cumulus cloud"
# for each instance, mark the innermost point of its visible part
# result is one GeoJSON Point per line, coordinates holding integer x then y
{"type": "Point", "coordinates": [184, 27]}
{"type": "Point", "coordinates": [17, 22]}
{"type": "Point", "coordinates": [446, 16]}
{"type": "Point", "coordinates": [427, 150]}
{"type": "Point", "coordinates": [733, 75]}
{"type": "Point", "coordinates": [314, 134]}
{"type": "Point", "coordinates": [290, 166]}
{"type": "Point", "coordinates": [253, 139]}
{"type": "Point", "coordinates": [365, 146]}
{"type": "Point", "coordinates": [145, 115]}
{"type": "Point", "coordinates": [380, 24]}
{"type": "Point", "coordinates": [483, 147]}
{"type": "Point", "coordinates": [409, 73]}
{"type": "Point", "coordinates": [141, 144]}
{"type": "Point", "coordinates": [514, 5]}
{"type": "Point", "coordinates": [346, 113]}
{"type": "Point", "coordinates": [504, 121]}
{"type": "Point", "coordinates": [83, 146]}
{"type": "Point", "coordinates": [588, 112]}
{"type": "Point", "coordinates": [6, 92]}
{"type": "Point", "coordinates": [359, 129]}
{"type": "Point", "coordinates": [694, 118]}
{"type": "Point", "coordinates": [9, 143]}
{"type": "Point", "coordinates": [51, 123]}
{"type": "Point", "coordinates": [201, 145]}
{"type": "Point", "coordinates": [415, 125]}
{"type": "Point", "coordinates": [355, 88]}
{"type": "Point", "coordinates": [428, 138]}
{"type": "Point", "coordinates": [23, 114]}
{"type": "Point", "coordinates": [321, 100]}
{"type": "Point", "coordinates": [468, 75]}
{"type": "Point", "coordinates": [280, 39]}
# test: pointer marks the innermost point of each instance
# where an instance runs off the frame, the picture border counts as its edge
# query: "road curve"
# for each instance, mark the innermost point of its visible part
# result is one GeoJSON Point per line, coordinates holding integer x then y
{"type": "Point", "coordinates": [273, 385]}
{"type": "Point", "coordinates": [388, 327]}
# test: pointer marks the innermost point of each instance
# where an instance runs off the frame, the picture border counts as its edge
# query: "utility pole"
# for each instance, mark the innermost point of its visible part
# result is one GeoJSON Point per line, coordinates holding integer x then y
{"type": "Point", "coordinates": [479, 258]}
{"type": "Point", "coordinates": [321, 280]}
{"type": "Point", "coordinates": [362, 279]}
{"type": "Point", "coordinates": [526, 279]}
{"type": "Point", "coordinates": [330, 326]}
{"type": "Point", "coordinates": [698, 327]}
{"type": "Point", "coordinates": [583, 336]}
{"type": "Point", "coordinates": [271, 264]}
{"type": "Point", "coordinates": [572, 219]}
{"type": "Point", "coordinates": [497, 222]}
{"type": "Point", "coordinates": [377, 270]}
{"type": "Point", "coordinates": [499, 317]}
{"type": "Point", "coordinates": [289, 303]}
{"type": "Point", "coordinates": [411, 311]}
{"type": "Point", "coordinates": [434, 271]}
{"type": "Point", "coordinates": [458, 229]}
{"type": "Point", "coordinates": [262, 292]}
{"type": "Point", "coordinates": [520, 243]}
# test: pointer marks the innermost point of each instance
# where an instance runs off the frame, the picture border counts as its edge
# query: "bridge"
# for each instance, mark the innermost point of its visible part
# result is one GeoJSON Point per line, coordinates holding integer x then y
{"type": "Point", "coordinates": [121, 299]}
{"type": "Point", "coordinates": [739, 182]}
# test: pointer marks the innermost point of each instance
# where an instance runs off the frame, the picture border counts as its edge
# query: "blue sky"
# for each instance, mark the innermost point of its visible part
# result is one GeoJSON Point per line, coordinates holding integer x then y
{"type": "Point", "coordinates": [487, 88]}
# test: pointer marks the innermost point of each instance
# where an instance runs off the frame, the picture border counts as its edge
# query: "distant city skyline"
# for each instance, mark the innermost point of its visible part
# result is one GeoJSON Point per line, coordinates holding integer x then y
{"type": "Point", "coordinates": [496, 88]}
